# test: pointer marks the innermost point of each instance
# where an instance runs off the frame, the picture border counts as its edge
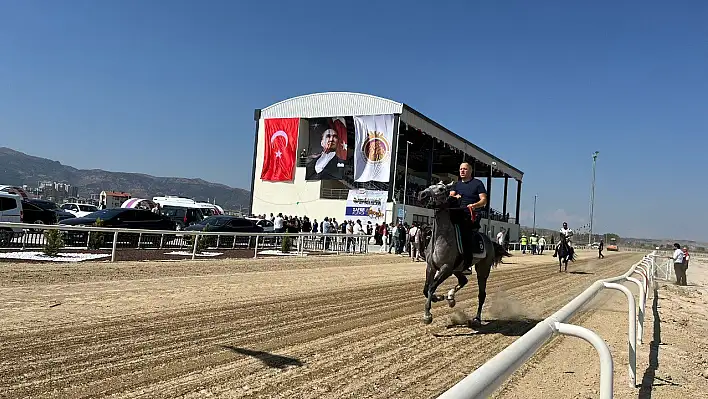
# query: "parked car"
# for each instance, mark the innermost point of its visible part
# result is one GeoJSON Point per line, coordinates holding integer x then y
{"type": "Point", "coordinates": [124, 218]}
{"type": "Point", "coordinates": [223, 223]}
{"type": "Point", "coordinates": [36, 215]}
{"type": "Point", "coordinates": [182, 216]}
{"type": "Point", "coordinates": [266, 224]}
{"type": "Point", "coordinates": [10, 212]}
{"type": "Point", "coordinates": [79, 210]}
{"type": "Point", "coordinates": [51, 206]}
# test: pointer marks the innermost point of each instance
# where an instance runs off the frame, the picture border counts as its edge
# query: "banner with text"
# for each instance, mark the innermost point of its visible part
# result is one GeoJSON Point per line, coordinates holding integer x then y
{"type": "Point", "coordinates": [367, 206]}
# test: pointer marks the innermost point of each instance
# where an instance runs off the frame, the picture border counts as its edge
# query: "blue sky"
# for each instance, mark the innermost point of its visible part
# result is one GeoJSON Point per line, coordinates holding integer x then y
{"type": "Point", "coordinates": [169, 87]}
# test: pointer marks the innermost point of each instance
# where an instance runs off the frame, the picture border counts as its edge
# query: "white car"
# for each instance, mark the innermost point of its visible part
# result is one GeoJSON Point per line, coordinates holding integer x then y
{"type": "Point", "coordinates": [79, 210]}
{"type": "Point", "coordinates": [267, 225]}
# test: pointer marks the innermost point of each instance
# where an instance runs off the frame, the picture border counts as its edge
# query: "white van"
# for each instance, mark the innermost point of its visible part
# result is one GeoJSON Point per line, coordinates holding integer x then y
{"type": "Point", "coordinates": [206, 208]}
{"type": "Point", "coordinates": [10, 212]}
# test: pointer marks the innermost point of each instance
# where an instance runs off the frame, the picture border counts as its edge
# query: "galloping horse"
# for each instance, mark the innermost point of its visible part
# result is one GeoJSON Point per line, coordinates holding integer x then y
{"type": "Point", "coordinates": [565, 253]}
{"type": "Point", "coordinates": [444, 259]}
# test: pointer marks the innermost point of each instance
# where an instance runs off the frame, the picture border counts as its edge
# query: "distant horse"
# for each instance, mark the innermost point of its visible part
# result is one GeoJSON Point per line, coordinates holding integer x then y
{"type": "Point", "coordinates": [444, 259]}
{"type": "Point", "coordinates": [565, 253]}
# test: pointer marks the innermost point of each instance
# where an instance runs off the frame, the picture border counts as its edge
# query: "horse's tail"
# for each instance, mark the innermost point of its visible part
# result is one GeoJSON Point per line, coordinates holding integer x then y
{"type": "Point", "coordinates": [499, 252]}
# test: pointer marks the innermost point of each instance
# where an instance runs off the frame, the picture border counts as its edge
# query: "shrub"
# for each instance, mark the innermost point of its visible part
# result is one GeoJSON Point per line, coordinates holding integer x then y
{"type": "Point", "coordinates": [53, 242]}
{"type": "Point", "coordinates": [202, 244]}
{"type": "Point", "coordinates": [286, 245]}
{"type": "Point", "coordinates": [96, 240]}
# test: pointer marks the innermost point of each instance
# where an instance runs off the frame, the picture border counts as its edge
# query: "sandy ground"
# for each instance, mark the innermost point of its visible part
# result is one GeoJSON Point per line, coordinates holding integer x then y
{"type": "Point", "coordinates": [671, 363]}
{"type": "Point", "coordinates": [327, 327]}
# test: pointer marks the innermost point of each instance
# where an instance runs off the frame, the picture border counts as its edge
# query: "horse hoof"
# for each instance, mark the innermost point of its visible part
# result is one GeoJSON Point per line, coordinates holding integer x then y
{"type": "Point", "coordinates": [427, 319]}
{"type": "Point", "coordinates": [451, 302]}
{"type": "Point", "coordinates": [476, 322]}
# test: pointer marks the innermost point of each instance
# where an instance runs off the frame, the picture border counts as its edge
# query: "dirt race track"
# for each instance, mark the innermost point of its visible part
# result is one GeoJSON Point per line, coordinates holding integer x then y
{"type": "Point", "coordinates": [310, 327]}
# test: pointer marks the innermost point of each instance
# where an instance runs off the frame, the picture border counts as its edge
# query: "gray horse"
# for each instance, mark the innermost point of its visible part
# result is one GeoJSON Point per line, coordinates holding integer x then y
{"type": "Point", "coordinates": [444, 259]}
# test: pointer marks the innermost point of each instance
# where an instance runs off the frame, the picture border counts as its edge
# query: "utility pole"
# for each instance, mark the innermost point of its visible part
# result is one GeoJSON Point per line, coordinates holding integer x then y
{"type": "Point", "coordinates": [534, 213]}
{"type": "Point", "coordinates": [489, 206]}
{"type": "Point", "coordinates": [592, 193]}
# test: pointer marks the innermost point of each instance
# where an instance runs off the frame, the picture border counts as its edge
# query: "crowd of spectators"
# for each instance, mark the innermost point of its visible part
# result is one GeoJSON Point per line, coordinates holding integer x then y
{"type": "Point", "coordinates": [399, 238]}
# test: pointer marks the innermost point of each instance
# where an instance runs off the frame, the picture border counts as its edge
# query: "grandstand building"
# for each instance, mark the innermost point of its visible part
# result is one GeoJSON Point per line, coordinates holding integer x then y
{"type": "Point", "coordinates": [357, 156]}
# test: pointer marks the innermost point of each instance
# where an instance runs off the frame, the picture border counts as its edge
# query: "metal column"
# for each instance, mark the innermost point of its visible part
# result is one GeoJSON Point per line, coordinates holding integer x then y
{"type": "Point", "coordinates": [506, 186]}
{"type": "Point", "coordinates": [518, 200]}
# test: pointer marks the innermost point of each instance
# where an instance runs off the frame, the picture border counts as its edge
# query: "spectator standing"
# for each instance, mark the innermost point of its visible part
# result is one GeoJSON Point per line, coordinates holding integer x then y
{"type": "Point", "coordinates": [599, 250]}
{"type": "Point", "coordinates": [384, 237]}
{"type": "Point", "coordinates": [402, 235]}
{"type": "Point", "coordinates": [349, 230]}
{"type": "Point", "coordinates": [685, 264]}
{"type": "Point", "coordinates": [393, 239]}
{"type": "Point", "coordinates": [413, 238]}
{"type": "Point", "coordinates": [541, 245]}
{"type": "Point", "coordinates": [534, 244]}
{"type": "Point", "coordinates": [500, 237]}
{"type": "Point", "coordinates": [678, 258]}
{"type": "Point", "coordinates": [278, 226]}
{"type": "Point", "coordinates": [358, 232]}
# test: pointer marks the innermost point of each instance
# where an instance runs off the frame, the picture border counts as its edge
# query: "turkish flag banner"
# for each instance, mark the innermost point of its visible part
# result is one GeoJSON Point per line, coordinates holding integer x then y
{"type": "Point", "coordinates": [280, 147]}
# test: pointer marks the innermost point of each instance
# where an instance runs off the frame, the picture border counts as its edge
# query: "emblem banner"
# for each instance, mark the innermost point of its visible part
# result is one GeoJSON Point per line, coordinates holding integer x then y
{"type": "Point", "coordinates": [373, 153]}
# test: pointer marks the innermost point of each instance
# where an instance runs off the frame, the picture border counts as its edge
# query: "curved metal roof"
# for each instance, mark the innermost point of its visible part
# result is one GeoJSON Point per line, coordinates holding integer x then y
{"type": "Point", "coordinates": [332, 104]}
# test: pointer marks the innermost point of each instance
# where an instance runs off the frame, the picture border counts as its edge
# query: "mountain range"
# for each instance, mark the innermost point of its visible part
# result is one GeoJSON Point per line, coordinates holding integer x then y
{"type": "Point", "coordinates": [17, 168]}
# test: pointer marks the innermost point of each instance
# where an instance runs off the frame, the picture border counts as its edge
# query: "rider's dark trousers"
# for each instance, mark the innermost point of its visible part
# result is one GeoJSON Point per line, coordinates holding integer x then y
{"type": "Point", "coordinates": [467, 229]}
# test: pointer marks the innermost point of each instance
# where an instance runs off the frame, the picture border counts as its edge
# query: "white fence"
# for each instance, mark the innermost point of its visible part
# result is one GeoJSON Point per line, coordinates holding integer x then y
{"type": "Point", "coordinates": [19, 234]}
{"type": "Point", "coordinates": [491, 375]}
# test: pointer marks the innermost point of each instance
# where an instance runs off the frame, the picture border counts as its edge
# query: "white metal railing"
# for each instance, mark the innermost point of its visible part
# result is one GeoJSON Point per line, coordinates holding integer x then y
{"type": "Point", "coordinates": [491, 375]}
{"type": "Point", "coordinates": [332, 243]}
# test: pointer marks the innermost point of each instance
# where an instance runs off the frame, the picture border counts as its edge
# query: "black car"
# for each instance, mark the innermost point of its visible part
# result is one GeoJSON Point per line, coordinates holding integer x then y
{"type": "Point", "coordinates": [182, 216]}
{"type": "Point", "coordinates": [33, 214]}
{"type": "Point", "coordinates": [124, 218]}
{"type": "Point", "coordinates": [226, 224]}
{"type": "Point", "coordinates": [49, 206]}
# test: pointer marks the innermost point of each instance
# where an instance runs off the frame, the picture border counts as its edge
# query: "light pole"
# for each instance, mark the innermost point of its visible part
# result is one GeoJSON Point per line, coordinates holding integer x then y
{"type": "Point", "coordinates": [534, 213]}
{"type": "Point", "coordinates": [592, 194]}
{"type": "Point", "coordinates": [489, 205]}
{"type": "Point", "coordinates": [405, 182]}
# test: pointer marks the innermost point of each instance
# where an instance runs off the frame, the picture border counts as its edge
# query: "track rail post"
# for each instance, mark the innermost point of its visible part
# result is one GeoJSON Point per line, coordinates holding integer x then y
{"type": "Point", "coordinates": [606, 363]}
{"type": "Point", "coordinates": [640, 323]}
{"type": "Point", "coordinates": [115, 243]}
{"type": "Point", "coordinates": [632, 330]}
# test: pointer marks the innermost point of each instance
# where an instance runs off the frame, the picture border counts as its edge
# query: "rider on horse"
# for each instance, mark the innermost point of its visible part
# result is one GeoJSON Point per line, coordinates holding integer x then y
{"type": "Point", "coordinates": [568, 234]}
{"type": "Point", "coordinates": [472, 195]}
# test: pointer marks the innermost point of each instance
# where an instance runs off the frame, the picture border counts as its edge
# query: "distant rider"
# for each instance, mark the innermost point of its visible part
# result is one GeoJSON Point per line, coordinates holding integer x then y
{"type": "Point", "coordinates": [472, 195]}
{"type": "Point", "coordinates": [568, 233]}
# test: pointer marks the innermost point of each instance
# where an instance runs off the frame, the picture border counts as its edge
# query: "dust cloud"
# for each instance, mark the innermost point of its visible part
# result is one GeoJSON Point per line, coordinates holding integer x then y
{"type": "Point", "coordinates": [505, 307]}
{"type": "Point", "coordinates": [459, 318]}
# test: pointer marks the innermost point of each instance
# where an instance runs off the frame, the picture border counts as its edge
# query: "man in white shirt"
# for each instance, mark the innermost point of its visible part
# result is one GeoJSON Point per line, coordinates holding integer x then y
{"type": "Point", "coordinates": [541, 245]}
{"type": "Point", "coordinates": [568, 233]}
{"type": "Point", "coordinates": [500, 237]}
{"type": "Point", "coordinates": [358, 231]}
{"type": "Point", "coordinates": [414, 240]}
{"type": "Point", "coordinates": [678, 258]}
{"type": "Point", "coordinates": [278, 224]}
